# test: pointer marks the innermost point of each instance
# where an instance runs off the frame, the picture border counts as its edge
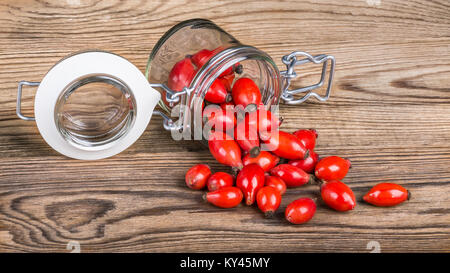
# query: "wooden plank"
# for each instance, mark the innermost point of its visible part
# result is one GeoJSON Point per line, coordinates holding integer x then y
{"type": "Point", "coordinates": [389, 112]}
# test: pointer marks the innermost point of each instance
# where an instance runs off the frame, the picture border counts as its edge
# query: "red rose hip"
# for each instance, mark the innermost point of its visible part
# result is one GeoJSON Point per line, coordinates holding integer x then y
{"type": "Point", "coordinates": [291, 175]}
{"type": "Point", "coordinates": [387, 195]}
{"type": "Point", "coordinates": [247, 137]}
{"type": "Point", "coordinates": [181, 75]}
{"type": "Point", "coordinates": [308, 164]}
{"type": "Point", "coordinates": [250, 179]}
{"type": "Point", "coordinates": [284, 145]}
{"type": "Point", "coordinates": [275, 182]}
{"type": "Point", "coordinates": [197, 176]}
{"type": "Point", "coordinates": [300, 211]}
{"type": "Point", "coordinates": [227, 197]}
{"type": "Point", "coordinates": [216, 117]}
{"type": "Point", "coordinates": [265, 160]}
{"type": "Point", "coordinates": [225, 150]}
{"type": "Point", "coordinates": [265, 121]}
{"type": "Point", "coordinates": [332, 168]}
{"type": "Point", "coordinates": [219, 180]}
{"type": "Point", "coordinates": [338, 196]}
{"type": "Point", "coordinates": [268, 200]}
{"type": "Point", "coordinates": [217, 93]}
{"type": "Point", "coordinates": [246, 92]}
{"type": "Point", "coordinates": [307, 137]}
{"type": "Point", "coordinates": [200, 58]}
{"type": "Point", "coordinates": [227, 81]}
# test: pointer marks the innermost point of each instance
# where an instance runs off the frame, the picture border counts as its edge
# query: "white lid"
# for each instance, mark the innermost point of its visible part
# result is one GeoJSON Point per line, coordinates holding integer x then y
{"type": "Point", "coordinates": [82, 65]}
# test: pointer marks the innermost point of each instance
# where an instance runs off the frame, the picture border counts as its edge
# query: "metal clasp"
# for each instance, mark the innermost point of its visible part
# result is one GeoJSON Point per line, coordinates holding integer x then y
{"type": "Point", "coordinates": [19, 99]}
{"type": "Point", "coordinates": [171, 96]}
{"type": "Point", "coordinates": [168, 123]}
{"type": "Point", "coordinates": [291, 62]}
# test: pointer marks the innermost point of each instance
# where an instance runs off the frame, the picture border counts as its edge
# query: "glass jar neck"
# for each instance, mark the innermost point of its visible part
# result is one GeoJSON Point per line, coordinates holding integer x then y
{"type": "Point", "coordinates": [225, 59]}
{"type": "Point", "coordinates": [257, 61]}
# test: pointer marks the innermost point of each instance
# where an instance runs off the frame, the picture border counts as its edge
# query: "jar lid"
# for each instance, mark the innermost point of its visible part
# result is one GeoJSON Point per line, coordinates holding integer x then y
{"type": "Point", "coordinates": [93, 105]}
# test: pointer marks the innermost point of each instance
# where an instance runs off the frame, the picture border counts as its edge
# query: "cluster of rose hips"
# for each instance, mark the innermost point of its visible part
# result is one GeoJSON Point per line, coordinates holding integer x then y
{"type": "Point", "coordinates": [184, 71]}
{"type": "Point", "coordinates": [287, 160]}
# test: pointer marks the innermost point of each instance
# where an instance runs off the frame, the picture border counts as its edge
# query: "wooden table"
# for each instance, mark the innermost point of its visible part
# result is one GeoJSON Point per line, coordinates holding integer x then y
{"type": "Point", "coordinates": [389, 113]}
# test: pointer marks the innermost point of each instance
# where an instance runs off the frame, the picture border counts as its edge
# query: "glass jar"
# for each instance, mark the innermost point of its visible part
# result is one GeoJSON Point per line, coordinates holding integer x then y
{"type": "Point", "coordinates": [95, 104]}
{"type": "Point", "coordinates": [191, 36]}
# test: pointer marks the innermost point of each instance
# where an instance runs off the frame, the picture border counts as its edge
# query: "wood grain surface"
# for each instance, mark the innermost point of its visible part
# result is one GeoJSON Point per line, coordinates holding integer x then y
{"type": "Point", "coordinates": [389, 113]}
